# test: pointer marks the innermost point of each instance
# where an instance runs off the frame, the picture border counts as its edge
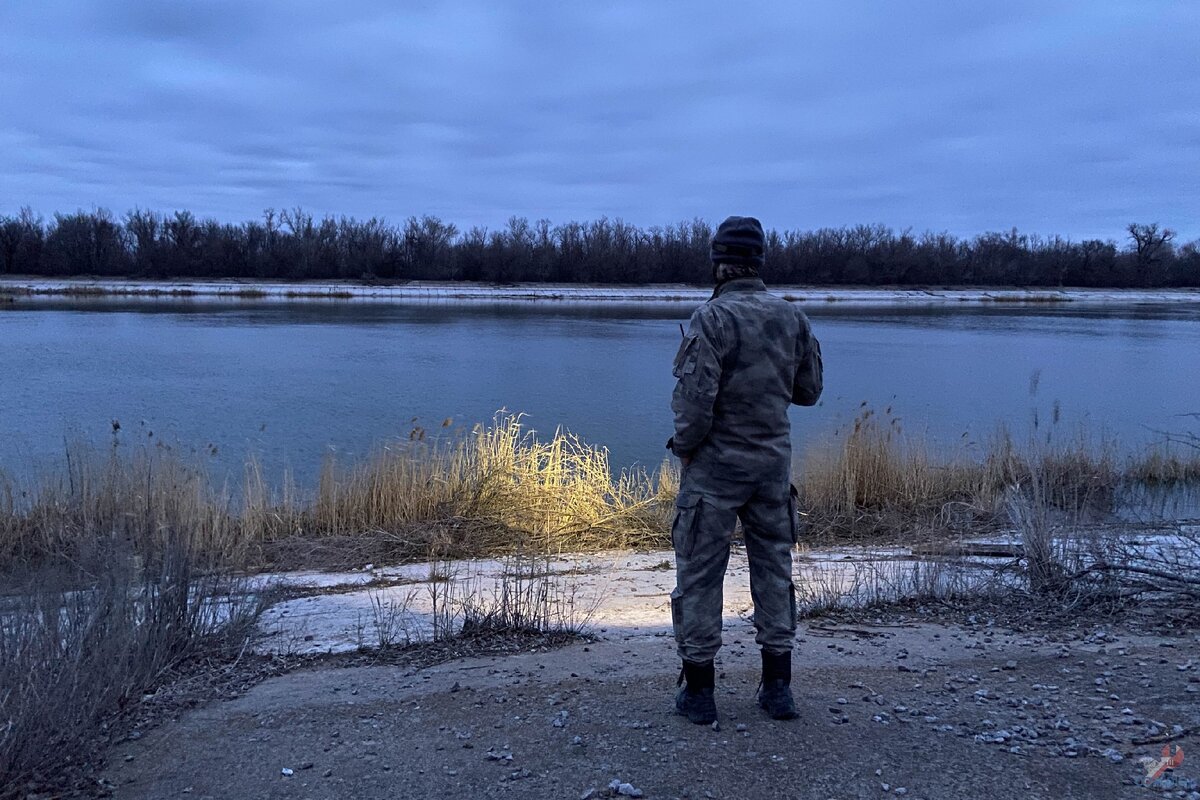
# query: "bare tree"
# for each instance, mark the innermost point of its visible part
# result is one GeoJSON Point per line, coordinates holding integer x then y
{"type": "Point", "coordinates": [10, 241]}
{"type": "Point", "coordinates": [1150, 244]}
{"type": "Point", "coordinates": [145, 229]}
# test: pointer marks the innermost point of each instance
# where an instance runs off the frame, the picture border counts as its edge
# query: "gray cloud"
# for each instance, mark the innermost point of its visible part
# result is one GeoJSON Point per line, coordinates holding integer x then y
{"type": "Point", "coordinates": [1057, 117]}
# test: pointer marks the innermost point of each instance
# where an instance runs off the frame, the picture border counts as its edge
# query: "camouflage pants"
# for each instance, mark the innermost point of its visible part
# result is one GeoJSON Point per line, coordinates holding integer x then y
{"type": "Point", "coordinates": [706, 511]}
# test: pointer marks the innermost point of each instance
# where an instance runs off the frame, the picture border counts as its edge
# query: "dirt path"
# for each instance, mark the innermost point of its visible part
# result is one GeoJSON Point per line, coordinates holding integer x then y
{"type": "Point", "coordinates": [923, 711]}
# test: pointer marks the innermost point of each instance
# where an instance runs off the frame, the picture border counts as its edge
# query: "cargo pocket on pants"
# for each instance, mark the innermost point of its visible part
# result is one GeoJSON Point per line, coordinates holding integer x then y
{"type": "Point", "coordinates": [683, 530]}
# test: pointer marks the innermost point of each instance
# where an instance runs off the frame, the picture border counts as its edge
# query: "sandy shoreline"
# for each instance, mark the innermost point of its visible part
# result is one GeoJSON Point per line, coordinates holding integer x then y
{"type": "Point", "coordinates": [657, 293]}
{"type": "Point", "coordinates": [1066, 710]}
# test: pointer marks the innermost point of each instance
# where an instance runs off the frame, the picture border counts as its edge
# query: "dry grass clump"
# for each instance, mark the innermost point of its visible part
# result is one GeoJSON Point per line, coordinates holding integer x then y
{"type": "Point", "coordinates": [1075, 565]}
{"type": "Point", "coordinates": [136, 504]}
{"type": "Point", "coordinates": [77, 649]}
{"type": "Point", "coordinates": [521, 594]}
{"type": "Point", "coordinates": [1166, 465]}
{"type": "Point", "coordinates": [495, 490]}
{"type": "Point", "coordinates": [1076, 475]}
{"type": "Point", "coordinates": [875, 474]}
{"type": "Point", "coordinates": [876, 481]}
{"type": "Point", "coordinates": [499, 488]}
{"type": "Point", "coordinates": [528, 596]}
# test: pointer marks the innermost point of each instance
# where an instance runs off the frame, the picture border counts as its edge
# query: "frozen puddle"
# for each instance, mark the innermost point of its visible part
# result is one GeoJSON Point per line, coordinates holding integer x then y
{"type": "Point", "coordinates": [600, 593]}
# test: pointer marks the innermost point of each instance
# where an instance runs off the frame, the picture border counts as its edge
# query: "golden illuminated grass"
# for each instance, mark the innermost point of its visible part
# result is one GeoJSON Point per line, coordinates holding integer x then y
{"type": "Point", "coordinates": [506, 484]}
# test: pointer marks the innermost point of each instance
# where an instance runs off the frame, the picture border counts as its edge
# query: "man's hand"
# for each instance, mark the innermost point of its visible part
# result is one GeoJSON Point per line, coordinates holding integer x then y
{"type": "Point", "coordinates": [683, 460]}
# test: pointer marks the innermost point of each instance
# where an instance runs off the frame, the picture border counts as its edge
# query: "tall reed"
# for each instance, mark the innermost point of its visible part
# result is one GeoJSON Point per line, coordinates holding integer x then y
{"type": "Point", "coordinates": [875, 479]}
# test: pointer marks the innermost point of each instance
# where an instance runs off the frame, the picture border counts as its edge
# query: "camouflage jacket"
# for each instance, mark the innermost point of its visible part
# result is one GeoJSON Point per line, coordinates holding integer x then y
{"type": "Point", "coordinates": [746, 357]}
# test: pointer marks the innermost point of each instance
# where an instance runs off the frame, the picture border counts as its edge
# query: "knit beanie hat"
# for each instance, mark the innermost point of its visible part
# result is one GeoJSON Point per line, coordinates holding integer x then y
{"type": "Point", "coordinates": [738, 249]}
{"type": "Point", "coordinates": [739, 240]}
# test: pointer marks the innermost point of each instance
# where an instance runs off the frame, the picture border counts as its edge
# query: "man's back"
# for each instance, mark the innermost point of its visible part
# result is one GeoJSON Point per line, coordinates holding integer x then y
{"type": "Point", "coordinates": [747, 357]}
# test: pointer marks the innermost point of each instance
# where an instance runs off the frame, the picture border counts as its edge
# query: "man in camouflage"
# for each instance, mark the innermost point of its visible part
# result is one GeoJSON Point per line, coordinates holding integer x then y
{"type": "Point", "coordinates": [746, 357]}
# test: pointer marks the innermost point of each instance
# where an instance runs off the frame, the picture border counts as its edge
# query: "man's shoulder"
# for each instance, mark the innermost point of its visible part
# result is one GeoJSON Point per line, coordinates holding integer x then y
{"type": "Point", "coordinates": [761, 302]}
{"type": "Point", "coordinates": [787, 308]}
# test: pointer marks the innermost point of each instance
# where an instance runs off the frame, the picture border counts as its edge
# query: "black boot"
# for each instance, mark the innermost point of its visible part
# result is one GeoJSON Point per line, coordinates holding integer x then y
{"type": "Point", "coordinates": [775, 692]}
{"type": "Point", "coordinates": [695, 699]}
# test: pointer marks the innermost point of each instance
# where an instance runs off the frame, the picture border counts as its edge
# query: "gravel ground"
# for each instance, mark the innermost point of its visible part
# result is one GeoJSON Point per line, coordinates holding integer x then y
{"type": "Point", "coordinates": [893, 707]}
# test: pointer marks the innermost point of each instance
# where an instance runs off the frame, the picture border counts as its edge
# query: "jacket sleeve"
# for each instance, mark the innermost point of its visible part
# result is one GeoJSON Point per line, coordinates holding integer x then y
{"type": "Point", "coordinates": [698, 376]}
{"type": "Point", "coordinates": [809, 379]}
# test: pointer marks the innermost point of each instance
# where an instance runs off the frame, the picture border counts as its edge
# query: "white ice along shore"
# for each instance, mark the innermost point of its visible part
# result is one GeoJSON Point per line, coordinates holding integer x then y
{"type": "Point", "coordinates": [466, 292]}
{"type": "Point", "coordinates": [601, 592]}
{"type": "Point", "coordinates": [627, 593]}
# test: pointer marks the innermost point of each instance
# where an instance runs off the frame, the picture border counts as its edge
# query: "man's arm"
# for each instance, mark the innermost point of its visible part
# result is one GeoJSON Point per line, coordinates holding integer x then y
{"type": "Point", "coordinates": [810, 378]}
{"type": "Point", "coordinates": [698, 376]}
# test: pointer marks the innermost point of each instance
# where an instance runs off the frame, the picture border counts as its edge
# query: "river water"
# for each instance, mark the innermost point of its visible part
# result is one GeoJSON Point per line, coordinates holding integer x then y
{"type": "Point", "coordinates": [293, 381]}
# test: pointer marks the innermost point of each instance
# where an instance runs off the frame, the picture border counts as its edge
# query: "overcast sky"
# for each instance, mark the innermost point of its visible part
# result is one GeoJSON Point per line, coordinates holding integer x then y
{"type": "Point", "coordinates": [1072, 118]}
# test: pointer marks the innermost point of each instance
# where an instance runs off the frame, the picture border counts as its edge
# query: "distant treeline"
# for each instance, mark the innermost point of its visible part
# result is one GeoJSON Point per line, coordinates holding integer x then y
{"type": "Point", "coordinates": [294, 245]}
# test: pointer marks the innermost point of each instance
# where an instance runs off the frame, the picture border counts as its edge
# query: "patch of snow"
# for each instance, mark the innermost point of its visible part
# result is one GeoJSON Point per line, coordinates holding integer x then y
{"type": "Point", "coordinates": [622, 591]}
{"type": "Point", "coordinates": [617, 590]}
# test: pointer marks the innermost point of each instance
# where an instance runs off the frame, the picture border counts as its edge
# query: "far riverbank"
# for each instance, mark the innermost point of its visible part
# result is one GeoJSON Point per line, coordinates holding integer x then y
{"type": "Point", "coordinates": [419, 291]}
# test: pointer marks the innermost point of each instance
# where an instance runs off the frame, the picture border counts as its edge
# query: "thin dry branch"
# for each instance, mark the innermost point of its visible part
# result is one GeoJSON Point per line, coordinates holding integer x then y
{"type": "Point", "coordinates": [1163, 575]}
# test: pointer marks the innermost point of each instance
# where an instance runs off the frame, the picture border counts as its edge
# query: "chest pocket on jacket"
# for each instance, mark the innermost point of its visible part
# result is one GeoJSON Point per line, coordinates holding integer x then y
{"type": "Point", "coordinates": [685, 359]}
